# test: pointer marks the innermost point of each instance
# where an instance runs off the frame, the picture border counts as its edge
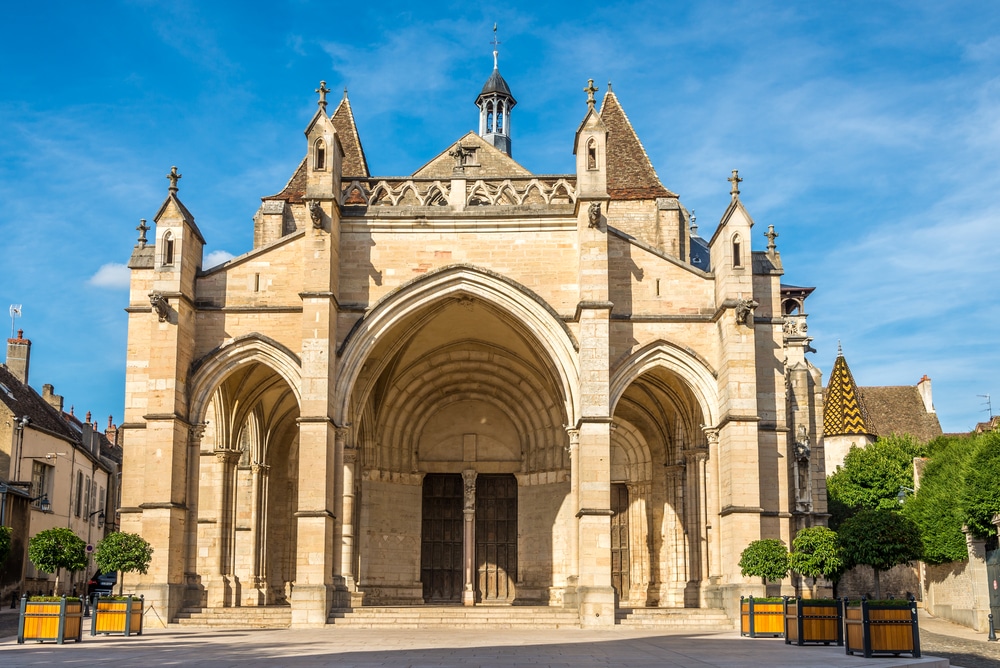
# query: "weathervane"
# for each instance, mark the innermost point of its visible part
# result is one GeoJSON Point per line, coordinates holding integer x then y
{"type": "Point", "coordinates": [495, 44]}
{"type": "Point", "coordinates": [15, 312]}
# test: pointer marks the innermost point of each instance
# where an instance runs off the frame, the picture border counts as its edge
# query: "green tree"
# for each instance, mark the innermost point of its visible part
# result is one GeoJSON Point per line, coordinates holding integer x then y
{"type": "Point", "coordinates": [53, 549]}
{"type": "Point", "coordinates": [934, 508]}
{"type": "Point", "coordinates": [124, 553]}
{"type": "Point", "coordinates": [816, 552]}
{"type": "Point", "coordinates": [5, 533]}
{"type": "Point", "coordinates": [767, 559]}
{"type": "Point", "coordinates": [871, 477]}
{"type": "Point", "coordinates": [980, 497]}
{"type": "Point", "coordinates": [880, 539]}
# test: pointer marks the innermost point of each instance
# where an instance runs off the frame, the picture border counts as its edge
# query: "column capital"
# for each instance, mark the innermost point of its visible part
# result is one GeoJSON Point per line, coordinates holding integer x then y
{"type": "Point", "coordinates": [342, 435]}
{"type": "Point", "coordinates": [257, 467]}
{"type": "Point", "coordinates": [712, 434]}
{"type": "Point", "coordinates": [469, 481]}
{"type": "Point", "coordinates": [350, 455]}
{"type": "Point", "coordinates": [196, 432]}
{"type": "Point", "coordinates": [228, 456]}
{"type": "Point", "coordinates": [695, 454]}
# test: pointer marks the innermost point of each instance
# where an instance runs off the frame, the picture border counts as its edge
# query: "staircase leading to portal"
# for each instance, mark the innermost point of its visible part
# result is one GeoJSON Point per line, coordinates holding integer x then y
{"type": "Point", "coordinates": [689, 620]}
{"type": "Point", "coordinates": [248, 617]}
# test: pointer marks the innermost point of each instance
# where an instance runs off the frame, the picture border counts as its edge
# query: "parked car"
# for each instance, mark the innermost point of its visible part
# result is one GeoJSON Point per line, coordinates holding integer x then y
{"type": "Point", "coordinates": [102, 583]}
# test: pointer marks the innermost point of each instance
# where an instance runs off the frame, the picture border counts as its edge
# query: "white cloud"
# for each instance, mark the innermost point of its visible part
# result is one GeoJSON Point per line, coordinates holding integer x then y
{"type": "Point", "coordinates": [111, 275]}
{"type": "Point", "coordinates": [217, 257]}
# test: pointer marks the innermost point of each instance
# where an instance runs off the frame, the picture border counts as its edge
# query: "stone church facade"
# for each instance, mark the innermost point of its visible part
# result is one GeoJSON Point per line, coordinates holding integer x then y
{"type": "Point", "coordinates": [473, 385]}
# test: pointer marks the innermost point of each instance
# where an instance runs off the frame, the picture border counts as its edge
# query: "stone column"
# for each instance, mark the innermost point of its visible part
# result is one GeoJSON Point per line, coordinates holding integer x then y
{"type": "Point", "coordinates": [675, 540]}
{"type": "Point", "coordinates": [222, 594]}
{"type": "Point", "coordinates": [695, 520]}
{"type": "Point", "coordinates": [570, 598]}
{"type": "Point", "coordinates": [469, 537]}
{"type": "Point", "coordinates": [195, 435]}
{"type": "Point", "coordinates": [348, 532]}
{"type": "Point", "coordinates": [712, 509]}
{"type": "Point", "coordinates": [638, 529]}
{"type": "Point", "coordinates": [259, 523]}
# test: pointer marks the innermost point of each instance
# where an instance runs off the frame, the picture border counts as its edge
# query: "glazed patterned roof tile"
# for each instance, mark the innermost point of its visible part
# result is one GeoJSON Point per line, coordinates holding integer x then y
{"type": "Point", "coordinates": [845, 411]}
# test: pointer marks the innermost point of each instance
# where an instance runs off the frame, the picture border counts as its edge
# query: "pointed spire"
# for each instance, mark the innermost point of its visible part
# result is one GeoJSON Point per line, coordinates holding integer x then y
{"type": "Point", "coordinates": [495, 103]}
{"type": "Point", "coordinates": [694, 224]}
{"type": "Point", "coordinates": [736, 181]}
{"type": "Point", "coordinates": [844, 411]}
{"type": "Point", "coordinates": [174, 177]}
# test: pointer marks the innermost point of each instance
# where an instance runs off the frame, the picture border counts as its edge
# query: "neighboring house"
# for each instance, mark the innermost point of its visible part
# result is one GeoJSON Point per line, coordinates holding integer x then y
{"type": "Point", "coordinates": [547, 371]}
{"type": "Point", "coordinates": [67, 468]}
{"type": "Point", "coordinates": [855, 415]}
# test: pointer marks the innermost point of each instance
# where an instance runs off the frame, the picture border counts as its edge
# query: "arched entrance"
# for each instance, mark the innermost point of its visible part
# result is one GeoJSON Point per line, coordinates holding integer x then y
{"type": "Point", "coordinates": [659, 496]}
{"type": "Point", "coordinates": [458, 417]}
{"type": "Point", "coordinates": [244, 550]}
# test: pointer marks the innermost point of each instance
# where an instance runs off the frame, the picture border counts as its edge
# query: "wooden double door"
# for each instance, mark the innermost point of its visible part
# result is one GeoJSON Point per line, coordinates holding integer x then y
{"type": "Point", "coordinates": [442, 560]}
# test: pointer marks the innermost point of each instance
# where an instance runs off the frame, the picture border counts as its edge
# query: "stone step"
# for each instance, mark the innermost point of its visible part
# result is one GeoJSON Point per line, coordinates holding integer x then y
{"type": "Point", "coordinates": [263, 617]}
{"type": "Point", "coordinates": [456, 617]}
{"type": "Point", "coordinates": [707, 620]}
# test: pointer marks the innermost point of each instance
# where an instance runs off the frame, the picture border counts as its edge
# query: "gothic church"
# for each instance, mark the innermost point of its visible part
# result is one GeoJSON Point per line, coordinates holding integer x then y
{"type": "Point", "coordinates": [471, 386]}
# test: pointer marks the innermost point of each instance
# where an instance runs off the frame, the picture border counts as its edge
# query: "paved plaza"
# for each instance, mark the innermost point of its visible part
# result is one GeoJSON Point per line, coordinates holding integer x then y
{"type": "Point", "coordinates": [331, 646]}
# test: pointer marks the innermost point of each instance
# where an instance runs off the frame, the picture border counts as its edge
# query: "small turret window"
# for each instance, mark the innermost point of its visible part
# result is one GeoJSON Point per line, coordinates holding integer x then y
{"type": "Point", "coordinates": [737, 252]}
{"type": "Point", "coordinates": [168, 249]}
{"type": "Point", "coordinates": [500, 121]}
{"type": "Point", "coordinates": [591, 154]}
{"type": "Point", "coordinates": [320, 154]}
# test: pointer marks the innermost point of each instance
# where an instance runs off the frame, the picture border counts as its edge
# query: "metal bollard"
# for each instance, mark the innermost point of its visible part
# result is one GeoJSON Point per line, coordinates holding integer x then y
{"type": "Point", "coordinates": [993, 634]}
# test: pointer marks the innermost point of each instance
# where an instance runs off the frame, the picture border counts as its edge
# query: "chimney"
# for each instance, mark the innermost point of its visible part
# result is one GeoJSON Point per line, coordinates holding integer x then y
{"type": "Point", "coordinates": [51, 398]}
{"type": "Point", "coordinates": [87, 436]}
{"type": "Point", "coordinates": [111, 432]}
{"type": "Point", "coordinates": [18, 356]}
{"type": "Point", "coordinates": [924, 387]}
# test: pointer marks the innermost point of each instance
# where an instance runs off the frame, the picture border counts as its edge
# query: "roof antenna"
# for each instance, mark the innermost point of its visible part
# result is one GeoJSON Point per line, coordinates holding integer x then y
{"type": "Point", "coordinates": [495, 44]}
{"type": "Point", "coordinates": [15, 312]}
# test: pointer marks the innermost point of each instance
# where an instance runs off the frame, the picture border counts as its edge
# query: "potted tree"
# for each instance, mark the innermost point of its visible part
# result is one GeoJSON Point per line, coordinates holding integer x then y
{"type": "Point", "coordinates": [881, 539]}
{"type": "Point", "coordinates": [763, 617]}
{"type": "Point", "coordinates": [51, 617]}
{"type": "Point", "coordinates": [124, 553]}
{"type": "Point", "coordinates": [816, 553]}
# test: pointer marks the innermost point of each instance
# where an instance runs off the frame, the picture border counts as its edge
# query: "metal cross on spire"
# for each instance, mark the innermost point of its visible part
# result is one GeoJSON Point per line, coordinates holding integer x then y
{"type": "Point", "coordinates": [323, 90]}
{"type": "Point", "coordinates": [735, 180]}
{"type": "Point", "coordinates": [143, 228]}
{"type": "Point", "coordinates": [173, 176]}
{"type": "Point", "coordinates": [495, 44]}
{"type": "Point", "coordinates": [771, 236]}
{"type": "Point", "coordinates": [590, 90]}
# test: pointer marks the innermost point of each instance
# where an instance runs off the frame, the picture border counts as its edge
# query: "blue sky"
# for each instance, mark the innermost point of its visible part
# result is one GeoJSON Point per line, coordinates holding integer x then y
{"type": "Point", "coordinates": [867, 133]}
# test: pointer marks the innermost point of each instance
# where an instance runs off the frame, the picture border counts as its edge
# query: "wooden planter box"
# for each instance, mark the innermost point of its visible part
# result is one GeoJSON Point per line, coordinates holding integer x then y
{"type": "Point", "coordinates": [760, 619]}
{"type": "Point", "coordinates": [58, 621]}
{"type": "Point", "coordinates": [873, 629]}
{"type": "Point", "coordinates": [117, 617]}
{"type": "Point", "coordinates": [814, 621]}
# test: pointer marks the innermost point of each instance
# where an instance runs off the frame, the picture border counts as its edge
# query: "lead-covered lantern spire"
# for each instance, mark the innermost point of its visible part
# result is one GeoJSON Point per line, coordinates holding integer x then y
{"type": "Point", "coordinates": [495, 103]}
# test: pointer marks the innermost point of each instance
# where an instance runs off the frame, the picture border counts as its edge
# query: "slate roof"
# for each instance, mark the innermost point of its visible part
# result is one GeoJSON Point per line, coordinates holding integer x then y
{"type": "Point", "coordinates": [496, 85]}
{"type": "Point", "coordinates": [630, 173]}
{"type": "Point", "coordinates": [355, 163]}
{"type": "Point", "coordinates": [899, 409]}
{"type": "Point", "coordinates": [844, 411]}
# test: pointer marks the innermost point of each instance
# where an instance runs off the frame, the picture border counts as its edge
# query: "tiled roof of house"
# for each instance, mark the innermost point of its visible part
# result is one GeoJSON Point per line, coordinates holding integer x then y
{"type": "Point", "coordinates": [355, 163]}
{"type": "Point", "coordinates": [899, 410]}
{"type": "Point", "coordinates": [21, 399]}
{"type": "Point", "coordinates": [630, 172]}
{"type": "Point", "coordinates": [295, 190]}
{"type": "Point", "coordinates": [844, 411]}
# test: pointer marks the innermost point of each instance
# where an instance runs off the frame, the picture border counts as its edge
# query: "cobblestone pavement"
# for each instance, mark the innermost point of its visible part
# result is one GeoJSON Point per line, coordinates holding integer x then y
{"type": "Point", "coordinates": [961, 651]}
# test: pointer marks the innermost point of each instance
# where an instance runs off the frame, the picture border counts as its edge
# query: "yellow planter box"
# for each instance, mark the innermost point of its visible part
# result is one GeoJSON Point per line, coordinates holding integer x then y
{"type": "Point", "coordinates": [873, 629]}
{"type": "Point", "coordinates": [812, 621]}
{"type": "Point", "coordinates": [117, 617]}
{"type": "Point", "coordinates": [56, 621]}
{"type": "Point", "coordinates": [762, 619]}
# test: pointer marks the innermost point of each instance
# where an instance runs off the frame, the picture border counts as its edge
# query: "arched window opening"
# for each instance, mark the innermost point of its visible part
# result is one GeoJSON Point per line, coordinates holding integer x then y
{"type": "Point", "coordinates": [489, 118]}
{"type": "Point", "coordinates": [500, 121]}
{"type": "Point", "coordinates": [320, 154]}
{"type": "Point", "coordinates": [591, 154]}
{"type": "Point", "coordinates": [737, 255]}
{"type": "Point", "coordinates": [168, 249]}
{"type": "Point", "coordinates": [790, 307]}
